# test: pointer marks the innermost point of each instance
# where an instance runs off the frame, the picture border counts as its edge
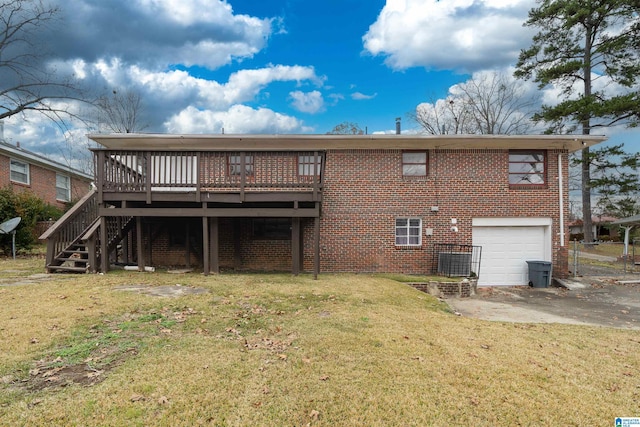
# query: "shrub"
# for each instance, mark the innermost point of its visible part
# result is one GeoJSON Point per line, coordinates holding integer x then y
{"type": "Point", "coordinates": [31, 209]}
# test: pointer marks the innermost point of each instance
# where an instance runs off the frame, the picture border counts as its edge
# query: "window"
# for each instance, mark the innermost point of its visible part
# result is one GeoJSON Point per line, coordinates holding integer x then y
{"type": "Point", "coordinates": [408, 232]}
{"type": "Point", "coordinates": [307, 166]}
{"type": "Point", "coordinates": [63, 188]}
{"type": "Point", "coordinates": [414, 163]}
{"type": "Point", "coordinates": [19, 171]}
{"type": "Point", "coordinates": [235, 165]}
{"type": "Point", "coordinates": [272, 228]}
{"type": "Point", "coordinates": [527, 168]}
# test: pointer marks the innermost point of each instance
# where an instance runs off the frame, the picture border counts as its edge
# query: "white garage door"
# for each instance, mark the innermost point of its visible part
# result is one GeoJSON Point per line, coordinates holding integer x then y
{"type": "Point", "coordinates": [505, 250]}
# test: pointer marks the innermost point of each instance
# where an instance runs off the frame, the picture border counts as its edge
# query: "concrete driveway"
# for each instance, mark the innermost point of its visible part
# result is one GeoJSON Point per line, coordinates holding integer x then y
{"type": "Point", "coordinates": [592, 301]}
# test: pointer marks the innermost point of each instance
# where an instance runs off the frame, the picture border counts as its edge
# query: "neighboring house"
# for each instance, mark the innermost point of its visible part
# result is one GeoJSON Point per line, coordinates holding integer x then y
{"type": "Point", "coordinates": [51, 181]}
{"type": "Point", "coordinates": [602, 228]}
{"type": "Point", "coordinates": [330, 203]}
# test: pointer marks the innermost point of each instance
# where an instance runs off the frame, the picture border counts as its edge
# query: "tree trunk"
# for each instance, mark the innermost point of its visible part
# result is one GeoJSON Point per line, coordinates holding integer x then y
{"type": "Point", "coordinates": [587, 223]}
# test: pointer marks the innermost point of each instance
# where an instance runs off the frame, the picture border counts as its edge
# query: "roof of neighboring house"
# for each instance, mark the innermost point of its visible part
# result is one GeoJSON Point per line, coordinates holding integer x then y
{"type": "Point", "coordinates": [596, 219]}
{"type": "Point", "coordinates": [40, 160]}
{"type": "Point", "coordinates": [229, 142]}
{"type": "Point", "coordinates": [632, 220]}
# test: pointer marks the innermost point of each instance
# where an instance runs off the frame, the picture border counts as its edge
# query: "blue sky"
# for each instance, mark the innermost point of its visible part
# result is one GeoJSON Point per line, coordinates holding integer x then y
{"type": "Point", "coordinates": [272, 66]}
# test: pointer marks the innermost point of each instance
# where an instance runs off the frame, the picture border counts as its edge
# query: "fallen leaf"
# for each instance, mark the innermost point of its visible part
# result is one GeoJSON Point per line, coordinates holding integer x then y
{"type": "Point", "coordinates": [418, 358]}
{"type": "Point", "coordinates": [62, 297]}
{"type": "Point", "coordinates": [203, 320]}
{"type": "Point", "coordinates": [314, 415]}
{"type": "Point", "coordinates": [34, 341]}
{"type": "Point", "coordinates": [324, 378]}
{"type": "Point", "coordinates": [266, 390]}
{"type": "Point", "coordinates": [163, 400]}
{"type": "Point", "coordinates": [282, 356]}
{"type": "Point", "coordinates": [137, 398]}
{"type": "Point", "coordinates": [165, 331]}
{"type": "Point", "coordinates": [306, 360]}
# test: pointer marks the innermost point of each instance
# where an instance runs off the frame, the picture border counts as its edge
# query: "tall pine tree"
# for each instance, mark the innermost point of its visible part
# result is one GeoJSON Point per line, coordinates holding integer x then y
{"type": "Point", "coordinates": [578, 43]}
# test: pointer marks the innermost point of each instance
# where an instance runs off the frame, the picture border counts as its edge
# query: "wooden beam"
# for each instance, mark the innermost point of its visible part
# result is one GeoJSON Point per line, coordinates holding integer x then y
{"type": "Point", "coordinates": [214, 212]}
{"type": "Point", "coordinates": [214, 196]}
{"type": "Point", "coordinates": [295, 245]}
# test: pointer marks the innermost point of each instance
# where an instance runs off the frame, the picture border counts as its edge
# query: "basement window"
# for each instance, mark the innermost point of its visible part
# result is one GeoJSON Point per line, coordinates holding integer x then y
{"type": "Point", "coordinates": [272, 228]}
{"type": "Point", "coordinates": [408, 232]}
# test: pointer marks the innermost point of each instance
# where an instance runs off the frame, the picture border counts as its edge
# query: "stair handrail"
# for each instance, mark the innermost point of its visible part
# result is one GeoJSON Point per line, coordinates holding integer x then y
{"type": "Point", "coordinates": [70, 214]}
{"type": "Point", "coordinates": [67, 230]}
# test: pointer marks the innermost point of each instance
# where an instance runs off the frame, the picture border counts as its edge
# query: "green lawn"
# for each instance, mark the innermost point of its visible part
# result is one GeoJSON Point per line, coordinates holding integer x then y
{"type": "Point", "coordinates": [263, 350]}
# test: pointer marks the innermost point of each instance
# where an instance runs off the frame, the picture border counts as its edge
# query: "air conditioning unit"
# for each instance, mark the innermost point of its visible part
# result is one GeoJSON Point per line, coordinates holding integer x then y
{"type": "Point", "coordinates": [454, 263]}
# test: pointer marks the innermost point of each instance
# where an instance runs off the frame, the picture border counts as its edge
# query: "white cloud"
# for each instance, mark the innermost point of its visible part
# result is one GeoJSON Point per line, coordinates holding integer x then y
{"type": "Point", "coordinates": [359, 96]}
{"type": "Point", "coordinates": [309, 102]}
{"type": "Point", "coordinates": [239, 119]}
{"type": "Point", "coordinates": [462, 35]}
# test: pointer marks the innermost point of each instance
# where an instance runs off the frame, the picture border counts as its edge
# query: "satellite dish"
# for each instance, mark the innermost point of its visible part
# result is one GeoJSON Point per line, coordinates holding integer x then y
{"type": "Point", "coordinates": [9, 225]}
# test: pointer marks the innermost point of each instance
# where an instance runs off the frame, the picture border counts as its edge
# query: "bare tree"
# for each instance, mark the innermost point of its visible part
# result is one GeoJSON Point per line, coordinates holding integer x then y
{"type": "Point", "coordinates": [488, 103]}
{"type": "Point", "coordinates": [26, 83]}
{"type": "Point", "coordinates": [442, 117]}
{"type": "Point", "coordinates": [346, 128]}
{"type": "Point", "coordinates": [120, 112]}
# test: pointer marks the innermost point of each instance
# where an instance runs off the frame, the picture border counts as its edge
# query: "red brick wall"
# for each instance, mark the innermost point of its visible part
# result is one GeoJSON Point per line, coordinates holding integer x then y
{"type": "Point", "coordinates": [364, 192]}
{"type": "Point", "coordinates": [42, 183]}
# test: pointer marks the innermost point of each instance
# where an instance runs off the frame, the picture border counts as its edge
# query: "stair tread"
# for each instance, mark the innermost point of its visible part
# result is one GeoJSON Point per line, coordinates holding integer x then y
{"type": "Point", "coordinates": [73, 259]}
{"type": "Point", "coordinates": [64, 268]}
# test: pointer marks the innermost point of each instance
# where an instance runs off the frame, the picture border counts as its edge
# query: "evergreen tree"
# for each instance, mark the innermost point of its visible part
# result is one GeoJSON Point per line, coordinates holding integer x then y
{"type": "Point", "coordinates": [589, 50]}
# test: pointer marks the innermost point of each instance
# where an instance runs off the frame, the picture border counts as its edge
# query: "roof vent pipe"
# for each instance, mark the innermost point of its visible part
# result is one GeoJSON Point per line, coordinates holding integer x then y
{"type": "Point", "coordinates": [398, 125]}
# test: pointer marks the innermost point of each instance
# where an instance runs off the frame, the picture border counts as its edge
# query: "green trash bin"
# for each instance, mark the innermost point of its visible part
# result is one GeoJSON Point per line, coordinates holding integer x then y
{"type": "Point", "coordinates": [539, 274]}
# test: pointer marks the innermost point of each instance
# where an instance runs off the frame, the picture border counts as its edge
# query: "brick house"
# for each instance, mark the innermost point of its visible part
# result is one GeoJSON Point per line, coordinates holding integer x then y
{"type": "Point", "coordinates": [331, 203]}
{"type": "Point", "coordinates": [53, 182]}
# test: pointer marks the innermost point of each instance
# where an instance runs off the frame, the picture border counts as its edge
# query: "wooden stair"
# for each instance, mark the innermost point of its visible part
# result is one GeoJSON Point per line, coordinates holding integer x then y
{"type": "Point", "coordinates": [73, 259]}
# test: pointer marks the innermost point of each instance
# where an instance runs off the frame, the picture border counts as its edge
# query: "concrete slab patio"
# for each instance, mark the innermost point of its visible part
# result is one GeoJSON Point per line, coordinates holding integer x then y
{"type": "Point", "coordinates": [600, 302]}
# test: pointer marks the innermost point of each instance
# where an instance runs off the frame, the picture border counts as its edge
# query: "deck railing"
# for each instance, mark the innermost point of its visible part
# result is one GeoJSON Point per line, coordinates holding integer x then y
{"type": "Point", "coordinates": [150, 171]}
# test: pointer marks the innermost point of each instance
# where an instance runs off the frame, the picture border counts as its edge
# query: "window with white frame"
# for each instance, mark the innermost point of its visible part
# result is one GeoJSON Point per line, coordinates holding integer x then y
{"type": "Point", "coordinates": [63, 188]}
{"type": "Point", "coordinates": [19, 171]}
{"type": "Point", "coordinates": [408, 231]}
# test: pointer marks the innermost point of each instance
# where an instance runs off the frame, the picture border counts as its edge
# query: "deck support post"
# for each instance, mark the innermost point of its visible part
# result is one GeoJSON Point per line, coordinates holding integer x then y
{"type": "Point", "coordinates": [215, 245]}
{"type": "Point", "coordinates": [205, 244]}
{"type": "Point", "coordinates": [139, 247]}
{"type": "Point", "coordinates": [104, 245]}
{"type": "Point", "coordinates": [316, 247]}
{"type": "Point", "coordinates": [295, 245]}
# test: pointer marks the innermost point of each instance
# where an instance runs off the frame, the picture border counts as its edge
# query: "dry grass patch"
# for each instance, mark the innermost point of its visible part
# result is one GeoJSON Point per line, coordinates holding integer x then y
{"type": "Point", "coordinates": [281, 350]}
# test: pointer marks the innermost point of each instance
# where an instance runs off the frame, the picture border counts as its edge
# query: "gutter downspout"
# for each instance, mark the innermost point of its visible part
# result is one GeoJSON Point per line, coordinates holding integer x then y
{"type": "Point", "coordinates": [561, 198]}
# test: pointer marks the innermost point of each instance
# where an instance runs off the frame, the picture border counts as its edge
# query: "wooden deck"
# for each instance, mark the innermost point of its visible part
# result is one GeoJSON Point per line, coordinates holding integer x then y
{"type": "Point", "coordinates": [208, 176]}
